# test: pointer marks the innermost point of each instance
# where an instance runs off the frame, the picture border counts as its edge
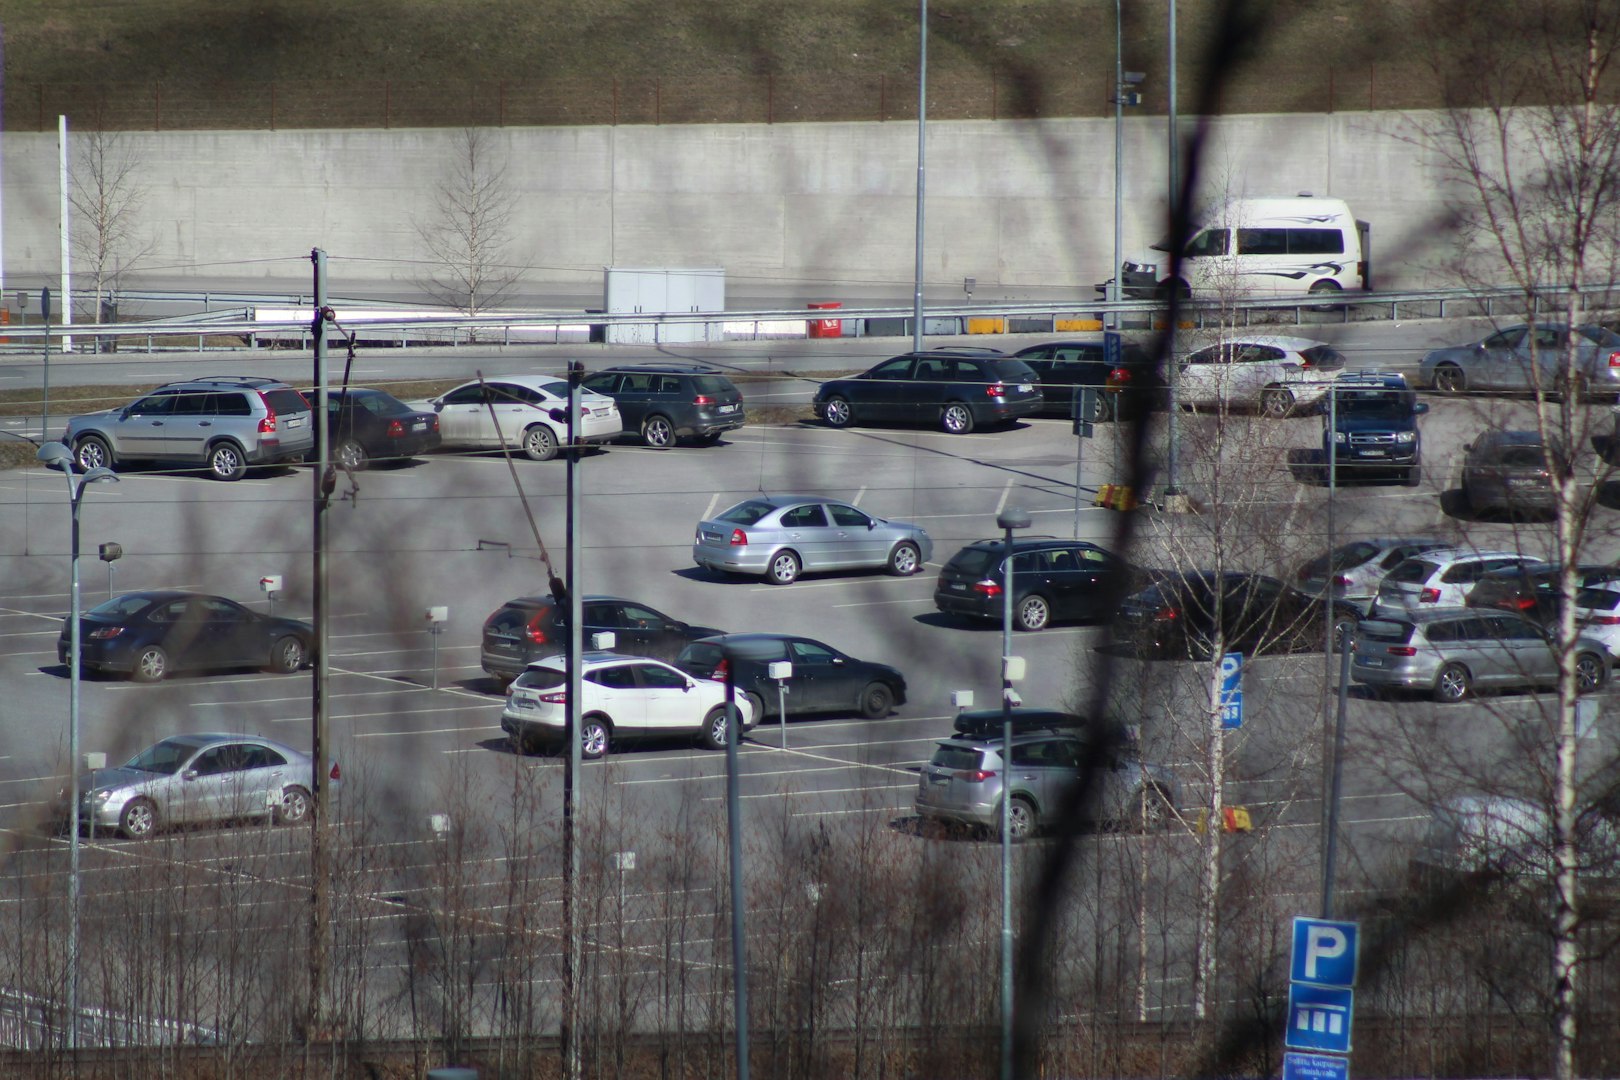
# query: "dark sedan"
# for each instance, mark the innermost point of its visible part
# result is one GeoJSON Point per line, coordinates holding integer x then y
{"type": "Point", "coordinates": [956, 389]}
{"type": "Point", "coordinates": [1178, 614]}
{"type": "Point", "coordinates": [530, 628]}
{"type": "Point", "coordinates": [1053, 581]}
{"type": "Point", "coordinates": [150, 634]}
{"type": "Point", "coordinates": [824, 680]}
{"type": "Point", "coordinates": [1124, 390]}
{"type": "Point", "coordinates": [365, 424]}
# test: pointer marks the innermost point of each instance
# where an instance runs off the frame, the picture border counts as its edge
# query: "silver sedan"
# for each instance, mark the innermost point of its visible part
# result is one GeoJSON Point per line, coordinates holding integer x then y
{"type": "Point", "coordinates": [780, 536]}
{"type": "Point", "coordinates": [1525, 358]}
{"type": "Point", "coordinates": [191, 779]}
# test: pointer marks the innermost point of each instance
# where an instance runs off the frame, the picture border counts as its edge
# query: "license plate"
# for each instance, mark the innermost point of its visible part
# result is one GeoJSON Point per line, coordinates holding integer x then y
{"type": "Point", "coordinates": [959, 586]}
{"type": "Point", "coordinates": [1370, 661]}
{"type": "Point", "coordinates": [727, 409]}
{"type": "Point", "coordinates": [1523, 482]}
{"type": "Point", "coordinates": [420, 425]}
{"type": "Point", "coordinates": [1371, 453]}
{"type": "Point", "coordinates": [1025, 388]}
{"type": "Point", "coordinates": [295, 421]}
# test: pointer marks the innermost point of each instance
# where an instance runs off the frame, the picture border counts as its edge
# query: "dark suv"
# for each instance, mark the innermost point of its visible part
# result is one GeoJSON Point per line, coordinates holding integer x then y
{"type": "Point", "coordinates": [1369, 427]}
{"type": "Point", "coordinates": [957, 389]}
{"type": "Point", "coordinates": [532, 628]}
{"type": "Point", "coordinates": [1052, 580]}
{"type": "Point", "coordinates": [225, 422]}
{"type": "Point", "coordinates": [663, 402]}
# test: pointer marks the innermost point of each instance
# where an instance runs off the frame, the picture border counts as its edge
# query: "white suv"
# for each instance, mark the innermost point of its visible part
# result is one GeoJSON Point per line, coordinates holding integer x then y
{"type": "Point", "coordinates": [625, 697]}
{"type": "Point", "coordinates": [1442, 578]}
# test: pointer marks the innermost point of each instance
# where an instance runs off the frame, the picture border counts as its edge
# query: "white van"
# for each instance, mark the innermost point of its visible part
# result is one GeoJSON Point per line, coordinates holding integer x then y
{"type": "Point", "coordinates": [1276, 246]}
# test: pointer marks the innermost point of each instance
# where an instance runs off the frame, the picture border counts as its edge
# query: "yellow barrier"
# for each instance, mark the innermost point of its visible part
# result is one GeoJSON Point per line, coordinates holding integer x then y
{"type": "Point", "coordinates": [1074, 326]}
{"type": "Point", "coordinates": [987, 325]}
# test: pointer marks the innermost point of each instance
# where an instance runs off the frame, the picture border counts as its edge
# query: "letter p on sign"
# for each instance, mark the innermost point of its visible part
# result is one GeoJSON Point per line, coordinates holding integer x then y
{"type": "Point", "coordinates": [1324, 952]}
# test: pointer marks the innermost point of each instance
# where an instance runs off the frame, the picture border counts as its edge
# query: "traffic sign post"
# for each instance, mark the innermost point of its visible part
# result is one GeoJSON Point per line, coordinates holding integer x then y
{"type": "Point", "coordinates": [1232, 691]}
{"type": "Point", "coordinates": [1319, 1018]}
{"type": "Point", "coordinates": [1325, 952]}
{"type": "Point", "coordinates": [1321, 997]}
{"type": "Point", "coordinates": [1314, 1067]}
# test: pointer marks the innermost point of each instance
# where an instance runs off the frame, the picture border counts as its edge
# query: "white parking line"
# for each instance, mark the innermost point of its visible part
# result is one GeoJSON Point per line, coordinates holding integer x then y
{"type": "Point", "coordinates": [708, 511]}
{"type": "Point", "coordinates": [882, 603]}
{"type": "Point", "coordinates": [432, 731]}
{"type": "Point", "coordinates": [368, 715]}
{"type": "Point", "coordinates": [856, 501]}
{"type": "Point", "coordinates": [801, 585]}
{"type": "Point", "coordinates": [1001, 503]}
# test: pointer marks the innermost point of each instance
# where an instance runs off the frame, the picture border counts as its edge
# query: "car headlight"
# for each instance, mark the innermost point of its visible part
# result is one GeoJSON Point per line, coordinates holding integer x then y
{"type": "Point", "coordinates": [1405, 436]}
{"type": "Point", "coordinates": [101, 796]}
{"type": "Point", "coordinates": [1340, 437]}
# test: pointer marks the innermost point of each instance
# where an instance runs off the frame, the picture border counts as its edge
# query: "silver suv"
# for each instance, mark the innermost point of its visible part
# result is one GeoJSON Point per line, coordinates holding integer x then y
{"type": "Point", "coordinates": [225, 423]}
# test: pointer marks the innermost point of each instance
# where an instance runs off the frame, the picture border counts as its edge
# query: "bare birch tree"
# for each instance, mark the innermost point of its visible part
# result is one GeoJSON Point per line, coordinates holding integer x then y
{"type": "Point", "coordinates": [469, 231]}
{"type": "Point", "coordinates": [107, 196]}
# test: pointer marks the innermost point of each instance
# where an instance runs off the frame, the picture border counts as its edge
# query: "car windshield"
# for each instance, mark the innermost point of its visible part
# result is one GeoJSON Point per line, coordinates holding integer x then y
{"type": "Point", "coordinates": [379, 403]}
{"type": "Point", "coordinates": [703, 656]}
{"type": "Point", "coordinates": [1599, 335]}
{"type": "Point", "coordinates": [285, 400]}
{"type": "Point", "coordinates": [165, 758]}
{"type": "Point", "coordinates": [1412, 572]}
{"type": "Point", "coordinates": [956, 757]}
{"type": "Point", "coordinates": [1011, 370]}
{"type": "Point", "coordinates": [1374, 404]}
{"type": "Point", "coordinates": [1347, 557]}
{"type": "Point", "coordinates": [120, 607]}
{"type": "Point", "coordinates": [746, 513]}
{"type": "Point", "coordinates": [1523, 457]}
{"type": "Point", "coordinates": [1385, 630]}
{"type": "Point", "coordinates": [1598, 599]}
{"type": "Point", "coordinates": [1323, 356]}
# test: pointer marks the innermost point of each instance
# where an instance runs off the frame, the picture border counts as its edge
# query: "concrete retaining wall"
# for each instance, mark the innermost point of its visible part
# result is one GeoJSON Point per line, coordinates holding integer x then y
{"type": "Point", "coordinates": [800, 211]}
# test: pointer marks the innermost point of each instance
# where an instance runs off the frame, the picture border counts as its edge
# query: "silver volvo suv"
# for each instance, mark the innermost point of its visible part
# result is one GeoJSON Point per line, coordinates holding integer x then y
{"type": "Point", "coordinates": [224, 423]}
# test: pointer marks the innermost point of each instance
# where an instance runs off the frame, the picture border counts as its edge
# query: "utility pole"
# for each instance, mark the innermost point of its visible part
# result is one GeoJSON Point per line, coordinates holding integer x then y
{"type": "Point", "coordinates": [322, 481]}
{"type": "Point", "coordinates": [922, 157]}
{"type": "Point", "coordinates": [573, 954]}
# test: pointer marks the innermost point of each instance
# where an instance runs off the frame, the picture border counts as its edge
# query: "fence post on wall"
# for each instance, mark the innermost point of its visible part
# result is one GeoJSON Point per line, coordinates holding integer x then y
{"type": "Point", "coordinates": [157, 106]}
{"type": "Point", "coordinates": [272, 106]}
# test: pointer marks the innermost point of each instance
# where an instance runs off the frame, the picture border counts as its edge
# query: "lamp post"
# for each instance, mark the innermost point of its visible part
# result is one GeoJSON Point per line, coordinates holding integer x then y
{"type": "Point", "coordinates": [1007, 520]}
{"type": "Point", "coordinates": [57, 456]}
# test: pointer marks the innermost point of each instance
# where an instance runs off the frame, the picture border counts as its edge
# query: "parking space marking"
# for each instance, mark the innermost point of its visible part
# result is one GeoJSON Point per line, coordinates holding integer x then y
{"type": "Point", "coordinates": [708, 511]}
{"type": "Point", "coordinates": [805, 586]}
{"type": "Point", "coordinates": [1001, 503]}
{"type": "Point", "coordinates": [882, 603]}
{"type": "Point", "coordinates": [370, 715]}
{"type": "Point", "coordinates": [859, 495]}
{"type": "Point", "coordinates": [431, 731]}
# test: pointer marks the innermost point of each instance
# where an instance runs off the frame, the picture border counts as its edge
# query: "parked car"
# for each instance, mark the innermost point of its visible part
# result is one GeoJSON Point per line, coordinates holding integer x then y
{"type": "Point", "coordinates": [152, 634]}
{"type": "Point", "coordinates": [1178, 614]}
{"type": "Point", "coordinates": [1533, 591]}
{"type": "Point", "coordinates": [1597, 614]}
{"type": "Point", "coordinates": [962, 781]}
{"type": "Point", "coordinates": [1053, 581]}
{"type": "Point", "coordinates": [824, 680]}
{"type": "Point", "coordinates": [1448, 652]}
{"type": "Point", "coordinates": [1478, 839]}
{"type": "Point", "coordinates": [624, 698]}
{"type": "Point", "coordinates": [1353, 571]}
{"type": "Point", "coordinates": [1123, 389]}
{"type": "Point", "coordinates": [530, 628]}
{"type": "Point", "coordinates": [664, 402]}
{"type": "Point", "coordinates": [1525, 358]}
{"type": "Point", "coordinates": [1442, 578]}
{"type": "Point", "coordinates": [1275, 375]}
{"type": "Point", "coordinates": [365, 425]}
{"type": "Point", "coordinates": [957, 389]}
{"type": "Point", "coordinates": [194, 779]}
{"type": "Point", "coordinates": [224, 423]}
{"type": "Point", "coordinates": [530, 413]}
{"type": "Point", "coordinates": [1369, 428]}
{"type": "Point", "coordinates": [780, 536]}
{"type": "Point", "coordinates": [1510, 472]}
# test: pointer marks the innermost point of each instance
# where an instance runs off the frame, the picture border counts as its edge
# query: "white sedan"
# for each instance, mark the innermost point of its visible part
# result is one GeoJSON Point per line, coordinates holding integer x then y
{"type": "Point", "coordinates": [624, 698]}
{"type": "Point", "coordinates": [526, 412]}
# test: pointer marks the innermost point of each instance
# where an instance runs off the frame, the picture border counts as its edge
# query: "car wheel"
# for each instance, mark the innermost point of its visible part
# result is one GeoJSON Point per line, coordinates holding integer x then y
{"type": "Point", "coordinates": [1344, 632]}
{"type": "Point", "coordinates": [1150, 810]}
{"type": "Point", "coordinates": [91, 452]}
{"type": "Point", "coordinates": [294, 808]}
{"type": "Point", "coordinates": [1276, 402]}
{"type": "Point", "coordinates": [1102, 408]}
{"type": "Point", "coordinates": [594, 736]}
{"type": "Point", "coordinates": [286, 656]}
{"type": "Point", "coordinates": [1413, 477]}
{"type": "Point", "coordinates": [225, 462]}
{"type": "Point", "coordinates": [151, 665]}
{"type": "Point", "coordinates": [351, 455]}
{"type": "Point", "coordinates": [1452, 684]}
{"type": "Point", "coordinates": [1449, 379]}
{"type": "Point", "coordinates": [756, 706]}
{"type": "Point", "coordinates": [539, 444]}
{"type": "Point", "coordinates": [1591, 672]}
{"type": "Point", "coordinates": [657, 432]}
{"type": "Point", "coordinates": [956, 419]}
{"type": "Point", "coordinates": [1032, 613]}
{"type": "Point", "coordinates": [1326, 289]}
{"type": "Point", "coordinates": [905, 559]}
{"type": "Point", "coordinates": [713, 733]}
{"type": "Point", "coordinates": [139, 819]}
{"type": "Point", "coordinates": [837, 412]}
{"type": "Point", "coordinates": [877, 701]}
{"type": "Point", "coordinates": [784, 568]}
{"type": "Point", "coordinates": [1020, 819]}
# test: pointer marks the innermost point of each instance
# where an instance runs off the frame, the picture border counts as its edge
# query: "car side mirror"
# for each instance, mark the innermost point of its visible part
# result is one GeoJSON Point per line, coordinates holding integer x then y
{"type": "Point", "coordinates": [686, 688]}
{"type": "Point", "coordinates": [870, 525]}
{"type": "Point", "coordinates": [189, 774]}
{"type": "Point", "coordinates": [1468, 448]}
{"type": "Point", "coordinates": [437, 403]}
{"type": "Point", "coordinates": [1420, 408]}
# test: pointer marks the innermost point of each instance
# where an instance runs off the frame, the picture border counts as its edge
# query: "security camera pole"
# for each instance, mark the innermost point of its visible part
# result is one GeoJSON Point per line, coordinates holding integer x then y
{"type": "Point", "coordinates": [1008, 520]}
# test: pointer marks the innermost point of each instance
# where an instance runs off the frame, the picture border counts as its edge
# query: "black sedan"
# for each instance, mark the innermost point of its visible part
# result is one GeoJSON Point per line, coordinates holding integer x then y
{"type": "Point", "coordinates": [824, 680]}
{"type": "Point", "coordinates": [1123, 390]}
{"type": "Point", "coordinates": [1177, 616]}
{"type": "Point", "coordinates": [365, 424]}
{"type": "Point", "coordinates": [150, 634]}
{"type": "Point", "coordinates": [1053, 581]}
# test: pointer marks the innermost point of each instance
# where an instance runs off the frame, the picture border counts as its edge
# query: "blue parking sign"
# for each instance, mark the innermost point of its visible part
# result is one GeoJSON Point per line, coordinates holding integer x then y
{"type": "Point", "coordinates": [1324, 952]}
{"type": "Point", "coordinates": [1318, 1018]}
{"type": "Point", "coordinates": [1232, 690]}
{"type": "Point", "coordinates": [1315, 1067]}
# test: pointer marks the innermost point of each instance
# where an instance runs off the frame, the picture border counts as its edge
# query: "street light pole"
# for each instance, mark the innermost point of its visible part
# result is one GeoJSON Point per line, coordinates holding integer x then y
{"type": "Point", "coordinates": [922, 157]}
{"type": "Point", "coordinates": [57, 456]}
{"type": "Point", "coordinates": [1008, 520]}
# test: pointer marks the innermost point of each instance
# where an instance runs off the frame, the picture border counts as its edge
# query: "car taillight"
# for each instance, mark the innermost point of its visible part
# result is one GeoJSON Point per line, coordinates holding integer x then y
{"type": "Point", "coordinates": [1604, 620]}
{"type": "Point", "coordinates": [739, 538]}
{"type": "Point", "coordinates": [267, 425]}
{"type": "Point", "coordinates": [535, 632]}
{"type": "Point", "coordinates": [973, 776]}
{"type": "Point", "coordinates": [703, 399]}
{"type": "Point", "coordinates": [1614, 359]}
{"type": "Point", "coordinates": [1429, 596]}
{"type": "Point", "coordinates": [395, 429]}
{"type": "Point", "coordinates": [1524, 603]}
{"type": "Point", "coordinates": [1342, 581]}
{"type": "Point", "coordinates": [1119, 377]}
{"type": "Point", "coordinates": [1401, 650]}
{"type": "Point", "coordinates": [996, 389]}
{"type": "Point", "coordinates": [435, 426]}
{"type": "Point", "coordinates": [104, 632]}
{"type": "Point", "coordinates": [987, 588]}
{"type": "Point", "coordinates": [721, 670]}
{"type": "Point", "coordinates": [1164, 614]}
{"type": "Point", "coordinates": [556, 697]}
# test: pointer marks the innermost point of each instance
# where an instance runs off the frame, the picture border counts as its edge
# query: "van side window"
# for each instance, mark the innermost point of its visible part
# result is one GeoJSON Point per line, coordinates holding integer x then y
{"type": "Point", "coordinates": [1262, 241]}
{"type": "Point", "coordinates": [1207, 243]}
{"type": "Point", "coordinates": [1315, 242]}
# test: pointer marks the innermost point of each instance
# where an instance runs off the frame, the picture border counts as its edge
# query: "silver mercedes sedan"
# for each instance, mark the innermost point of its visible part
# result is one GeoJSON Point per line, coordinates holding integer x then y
{"type": "Point", "coordinates": [193, 779]}
{"type": "Point", "coordinates": [781, 536]}
{"type": "Point", "coordinates": [1528, 358]}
